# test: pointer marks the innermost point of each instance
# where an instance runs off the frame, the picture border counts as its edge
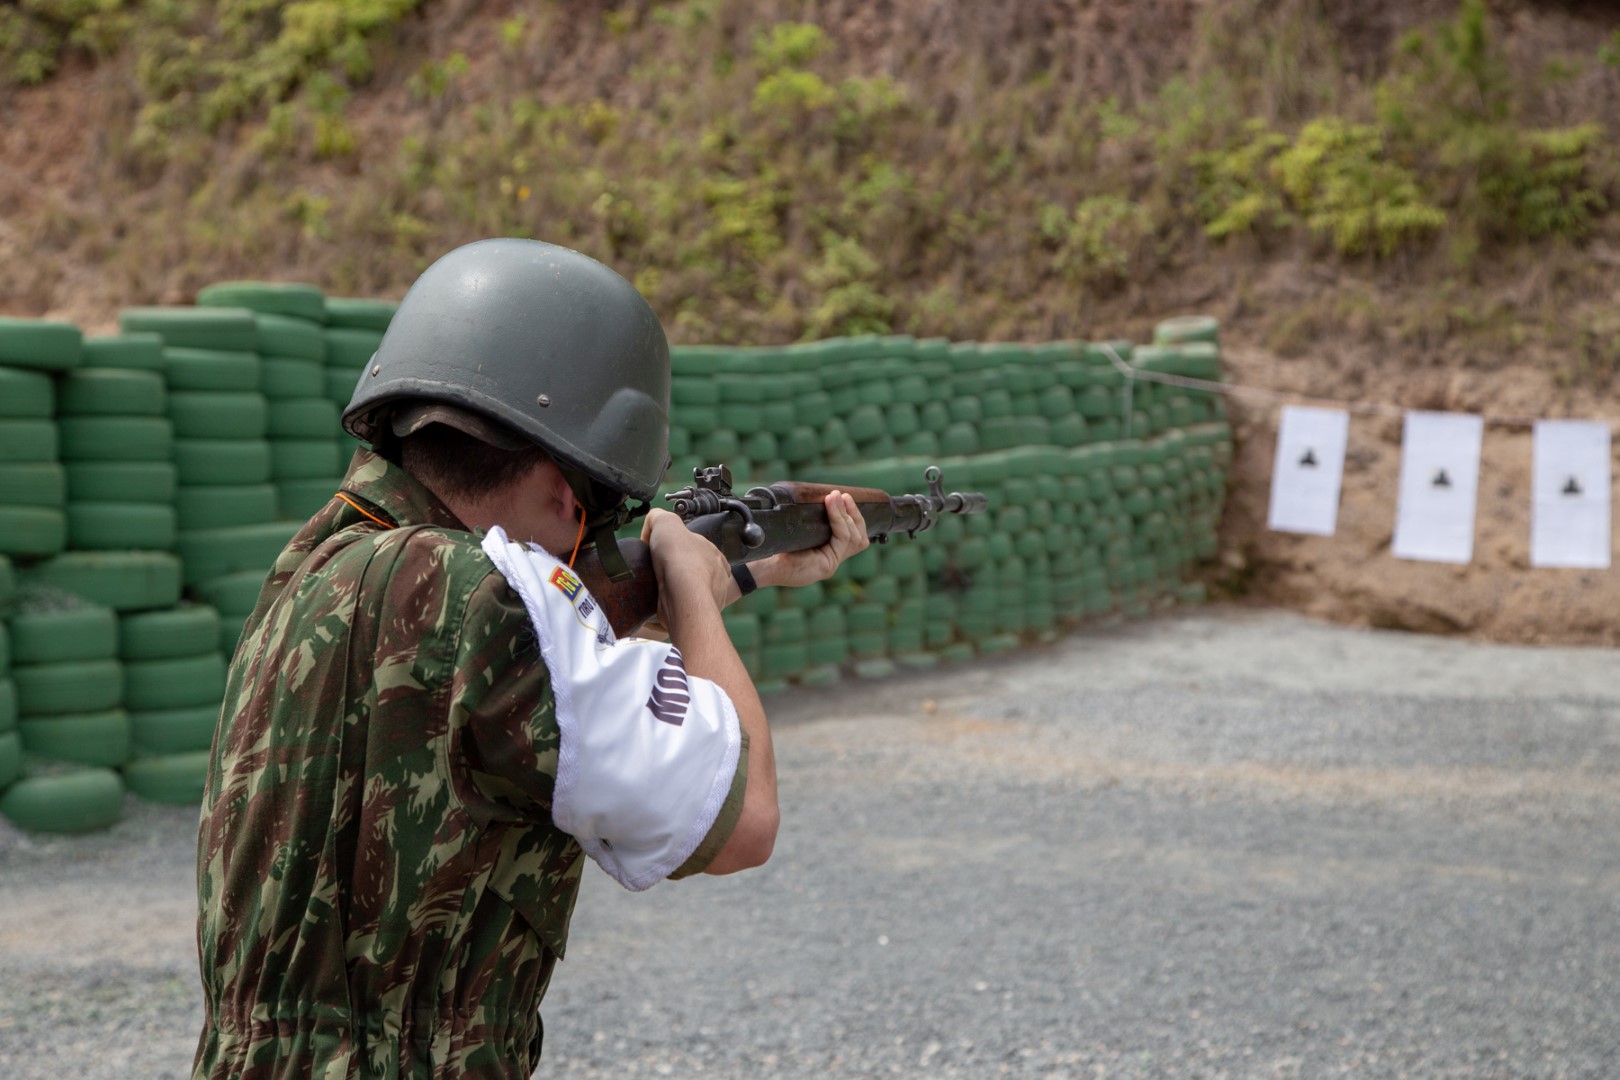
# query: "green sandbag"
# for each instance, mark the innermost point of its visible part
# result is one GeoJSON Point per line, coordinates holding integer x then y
{"type": "Point", "coordinates": [142, 352]}
{"type": "Point", "coordinates": [40, 343]}
{"type": "Point", "coordinates": [304, 459]}
{"type": "Point", "coordinates": [719, 446]}
{"type": "Point", "coordinates": [8, 704]}
{"type": "Point", "coordinates": [232, 594]}
{"type": "Point", "coordinates": [8, 583]}
{"type": "Point", "coordinates": [121, 481]}
{"type": "Point", "coordinates": [122, 580]}
{"type": "Point", "coordinates": [42, 632]}
{"type": "Point", "coordinates": [300, 500]}
{"type": "Point", "coordinates": [214, 553]}
{"type": "Point", "coordinates": [32, 531]}
{"type": "Point", "coordinates": [114, 526]}
{"type": "Point", "coordinates": [10, 758]}
{"type": "Point", "coordinates": [79, 686]}
{"type": "Point", "coordinates": [209, 462]}
{"type": "Point", "coordinates": [359, 314]}
{"type": "Point", "coordinates": [221, 506]}
{"type": "Point", "coordinates": [186, 630]}
{"type": "Point", "coordinates": [781, 661]}
{"type": "Point", "coordinates": [111, 392]}
{"type": "Point", "coordinates": [218, 415]}
{"type": "Point", "coordinates": [99, 738]}
{"type": "Point", "coordinates": [351, 349]}
{"type": "Point", "coordinates": [116, 438]}
{"type": "Point", "coordinates": [24, 442]}
{"type": "Point", "coordinates": [213, 370]}
{"type": "Point", "coordinates": [267, 297]}
{"type": "Point", "coordinates": [26, 395]}
{"type": "Point", "coordinates": [303, 418]}
{"type": "Point", "coordinates": [174, 684]}
{"type": "Point", "coordinates": [1183, 328]}
{"type": "Point", "coordinates": [195, 327]}
{"type": "Point", "coordinates": [173, 731]}
{"type": "Point", "coordinates": [38, 484]}
{"type": "Point", "coordinates": [340, 385]}
{"type": "Point", "coordinates": [230, 632]}
{"type": "Point", "coordinates": [694, 391]}
{"type": "Point", "coordinates": [79, 801]}
{"type": "Point", "coordinates": [285, 336]}
{"type": "Point", "coordinates": [283, 377]}
{"type": "Point", "coordinates": [698, 360]}
{"type": "Point", "coordinates": [173, 779]}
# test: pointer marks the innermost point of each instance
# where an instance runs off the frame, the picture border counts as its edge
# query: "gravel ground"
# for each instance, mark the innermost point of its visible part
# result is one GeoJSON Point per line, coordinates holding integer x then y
{"type": "Point", "coordinates": [1223, 844]}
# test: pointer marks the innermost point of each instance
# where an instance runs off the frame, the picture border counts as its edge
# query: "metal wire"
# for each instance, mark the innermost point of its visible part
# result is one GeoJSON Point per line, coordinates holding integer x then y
{"type": "Point", "coordinates": [1133, 374]}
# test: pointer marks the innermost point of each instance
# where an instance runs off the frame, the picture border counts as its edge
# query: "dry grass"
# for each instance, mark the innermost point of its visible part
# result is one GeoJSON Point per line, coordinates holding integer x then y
{"type": "Point", "coordinates": [897, 177]}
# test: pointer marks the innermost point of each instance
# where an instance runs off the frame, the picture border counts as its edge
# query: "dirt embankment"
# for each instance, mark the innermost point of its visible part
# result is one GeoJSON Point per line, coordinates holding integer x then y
{"type": "Point", "coordinates": [1352, 577]}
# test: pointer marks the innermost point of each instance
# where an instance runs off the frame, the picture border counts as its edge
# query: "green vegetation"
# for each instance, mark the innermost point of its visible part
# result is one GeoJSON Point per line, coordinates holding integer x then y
{"type": "Point", "coordinates": [1100, 242]}
{"type": "Point", "coordinates": [33, 34]}
{"type": "Point", "coordinates": [1610, 53]}
{"type": "Point", "coordinates": [1451, 97]}
{"type": "Point", "coordinates": [203, 64]}
{"type": "Point", "coordinates": [1341, 179]}
{"type": "Point", "coordinates": [765, 181]}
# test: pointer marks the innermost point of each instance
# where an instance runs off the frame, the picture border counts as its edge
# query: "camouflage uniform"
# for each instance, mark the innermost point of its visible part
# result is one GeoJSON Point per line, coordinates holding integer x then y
{"type": "Point", "coordinates": [382, 892]}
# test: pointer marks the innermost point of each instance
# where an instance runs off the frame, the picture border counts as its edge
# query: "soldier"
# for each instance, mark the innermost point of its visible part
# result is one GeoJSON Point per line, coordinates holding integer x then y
{"type": "Point", "coordinates": [429, 723]}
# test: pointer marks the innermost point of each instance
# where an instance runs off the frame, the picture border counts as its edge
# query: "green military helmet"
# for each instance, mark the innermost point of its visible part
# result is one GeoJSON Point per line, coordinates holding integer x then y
{"type": "Point", "coordinates": [541, 339]}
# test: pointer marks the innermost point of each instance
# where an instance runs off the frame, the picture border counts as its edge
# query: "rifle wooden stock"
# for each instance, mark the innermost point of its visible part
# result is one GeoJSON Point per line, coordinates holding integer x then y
{"type": "Point", "coordinates": [627, 604]}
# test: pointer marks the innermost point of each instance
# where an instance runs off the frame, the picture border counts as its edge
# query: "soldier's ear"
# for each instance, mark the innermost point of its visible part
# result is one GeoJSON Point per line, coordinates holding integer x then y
{"type": "Point", "coordinates": [560, 495]}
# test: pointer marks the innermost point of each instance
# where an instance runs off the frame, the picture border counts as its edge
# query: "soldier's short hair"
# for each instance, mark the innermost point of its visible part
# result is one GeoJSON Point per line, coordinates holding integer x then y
{"type": "Point", "coordinates": [448, 460]}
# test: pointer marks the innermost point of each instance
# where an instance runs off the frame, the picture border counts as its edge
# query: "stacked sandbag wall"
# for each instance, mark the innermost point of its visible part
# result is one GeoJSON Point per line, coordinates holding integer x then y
{"type": "Point", "coordinates": [174, 679]}
{"type": "Point", "coordinates": [69, 682]}
{"type": "Point", "coordinates": [148, 480]}
{"type": "Point", "coordinates": [1095, 507]}
{"type": "Point", "coordinates": [301, 423]}
{"type": "Point", "coordinates": [230, 527]}
{"type": "Point", "coordinates": [68, 734]}
{"type": "Point", "coordinates": [154, 475]}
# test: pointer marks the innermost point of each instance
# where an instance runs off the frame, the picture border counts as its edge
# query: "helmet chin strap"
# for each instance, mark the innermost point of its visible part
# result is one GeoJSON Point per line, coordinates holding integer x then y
{"type": "Point", "coordinates": [603, 511]}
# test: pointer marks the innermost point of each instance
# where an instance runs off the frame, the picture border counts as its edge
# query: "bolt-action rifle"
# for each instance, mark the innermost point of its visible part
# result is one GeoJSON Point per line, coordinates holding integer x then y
{"type": "Point", "coordinates": [789, 515]}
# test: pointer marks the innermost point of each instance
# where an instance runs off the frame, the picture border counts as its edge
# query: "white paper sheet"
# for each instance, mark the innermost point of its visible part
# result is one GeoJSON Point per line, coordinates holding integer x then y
{"type": "Point", "coordinates": [1439, 487]}
{"type": "Point", "coordinates": [1569, 521]}
{"type": "Point", "coordinates": [1308, 471]}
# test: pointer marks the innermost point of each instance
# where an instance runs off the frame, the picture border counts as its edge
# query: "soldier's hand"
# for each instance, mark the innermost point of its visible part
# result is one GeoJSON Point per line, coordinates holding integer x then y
{"type": "Point", "coordinates": [817, 564]}
{"type": "Point", "coordinates": [686, 563]}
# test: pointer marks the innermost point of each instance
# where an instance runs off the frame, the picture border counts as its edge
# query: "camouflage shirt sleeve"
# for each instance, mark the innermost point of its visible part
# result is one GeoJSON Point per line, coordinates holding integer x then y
{"type": "Point", "coordinates": [501, 702]}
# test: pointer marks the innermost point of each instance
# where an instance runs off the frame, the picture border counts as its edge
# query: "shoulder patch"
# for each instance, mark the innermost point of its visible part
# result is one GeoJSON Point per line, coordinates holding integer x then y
{"type": "Point", "coordinates": [566, 582]}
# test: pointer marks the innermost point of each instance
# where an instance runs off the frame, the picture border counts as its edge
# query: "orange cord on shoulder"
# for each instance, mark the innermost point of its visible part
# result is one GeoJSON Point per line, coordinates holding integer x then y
{"type": "Point", "coordinates": [363, 511]}
{"type": "Point", "coordinates": [578, 539]}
